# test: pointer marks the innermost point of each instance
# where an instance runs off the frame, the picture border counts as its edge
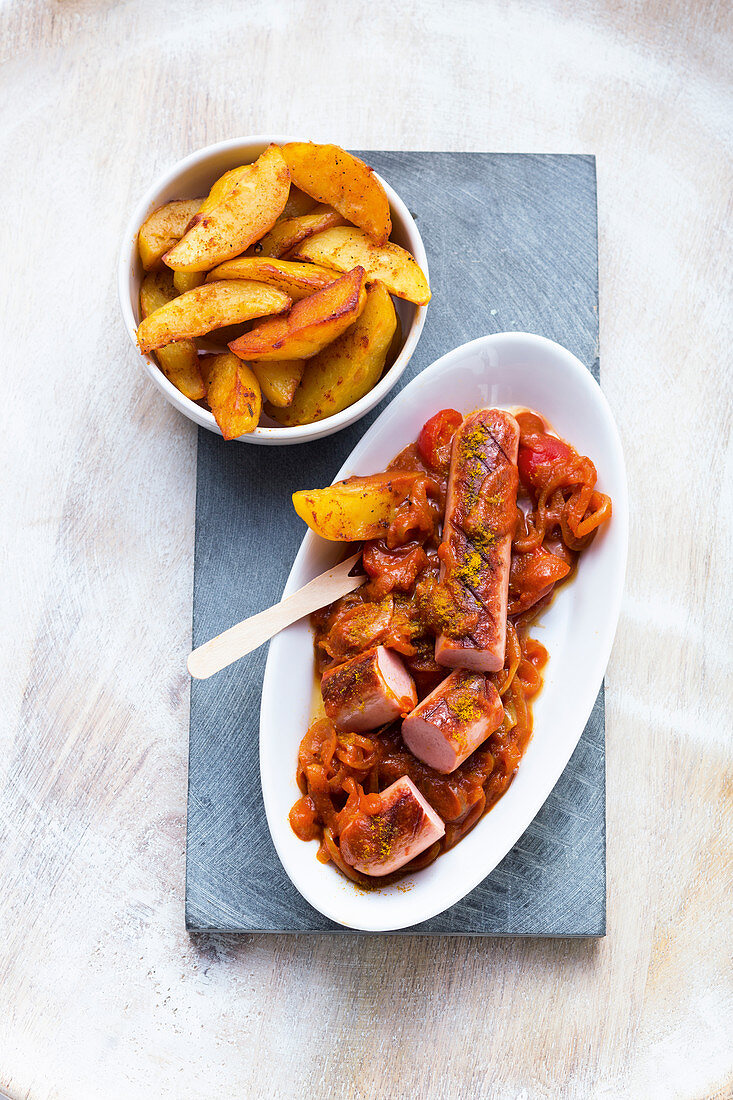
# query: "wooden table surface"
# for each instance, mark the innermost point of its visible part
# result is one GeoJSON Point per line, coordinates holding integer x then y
{"type": "Point", "coordinates": [102, 992]}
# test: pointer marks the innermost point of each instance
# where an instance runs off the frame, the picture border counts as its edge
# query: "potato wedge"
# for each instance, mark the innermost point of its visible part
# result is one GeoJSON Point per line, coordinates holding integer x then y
{"type": "Point", "coordinates": [298, 203]}
{"type": "Point", "coordinates": [179, 361]}
{"type": "Point", "coordinates": [161, 229]}
{"type": "Point", "coordinates": [188, 280]}
{"type": "Point", "coordinates": [279, 379]}
{"type": "Point", "coordinates": [208, 307]}
{"type": "Point", "coordinates": [346, 369]}
{"type": "Point", "coordinates": [297, 280]}
{"type": "Point", "coordinates": [336, 177]}
{"type": "Point", "coordinates": [157, 290]}
{"type": "Point", "coordinates": [248, 208]}
{"type": "Point", "coordinates": [343, 248]}
{"type": "Point", "coordinates": [397, 341]}
{"type": "Point", "coordinates": [291, 231]}
{"type": "Point", "coordinates": [358, 508]}
{"type": "Point", "coordinates": [223, 188]}
{"type": "Point", "coordinates": [311, 324]}
{"type": "Point", "coordinates": [233, 394]}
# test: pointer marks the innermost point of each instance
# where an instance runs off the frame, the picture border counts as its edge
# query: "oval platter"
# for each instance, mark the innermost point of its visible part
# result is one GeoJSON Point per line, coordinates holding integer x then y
{"type": "Point", "coordinates": [502, 370]}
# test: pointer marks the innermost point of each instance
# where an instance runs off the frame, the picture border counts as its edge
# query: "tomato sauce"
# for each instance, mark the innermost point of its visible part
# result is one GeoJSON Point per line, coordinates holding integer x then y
{"type": "Point", "coordinates": [403, 606]}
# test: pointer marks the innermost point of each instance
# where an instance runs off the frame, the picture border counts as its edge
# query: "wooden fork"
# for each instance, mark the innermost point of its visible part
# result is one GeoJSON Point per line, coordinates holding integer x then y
{"type": "Point", "coordinates": [241, 639]}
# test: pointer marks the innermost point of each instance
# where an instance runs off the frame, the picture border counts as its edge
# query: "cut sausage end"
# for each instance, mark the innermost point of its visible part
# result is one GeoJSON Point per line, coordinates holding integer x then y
{"type": "Point", "coordinates": [450, 723]}
{"type": "Point", "coordinates": [368, 691]}
{"type": "Point", "coordinates": [404, 827]}
{"type": "Point", "coordinates": [451, 654]}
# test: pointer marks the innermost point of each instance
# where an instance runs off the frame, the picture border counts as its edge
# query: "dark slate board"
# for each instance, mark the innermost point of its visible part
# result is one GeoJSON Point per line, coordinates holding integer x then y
{"type": "Point", "coordinates": [512, 245]}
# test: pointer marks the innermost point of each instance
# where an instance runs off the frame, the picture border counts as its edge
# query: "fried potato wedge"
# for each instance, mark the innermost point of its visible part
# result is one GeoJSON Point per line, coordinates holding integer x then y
{"type": "Point", "coordinates": [298, 203]}
{"type": "Point", "coordinates": [397, 341]}
{"type": "Point", "coordinates": [187, 280]}
{"type": "Point", "coordinates": [279, 379]}
{"type": "Point", "coordinates": [233, 394]}
{"type": "Point", "coordinates": [157, 290]}
{"type": "Point", "coordinates": [179, 361]}
{"type": "Point", "coordinates": [311, 324]}
{"type": "Point", "coordinates": [358, 508]}
{"type": "Point", "coordinates": [343, 248]}
{"type": "Point", "coordinates": [297, 280]}
{"type": "Point", "coordinates": [208, 307]}
{"type": "Point", "coordinates": [248, 205]}
{"type": "Point", "coordinates": [223, 187]}
{"type": "Point", "coordinates": [163, 228]}
{"type": "Point", "coordinates": [346, 369]}
{"type": "Point", "coordinates": [338, 178]}
{"type": "Point", "coordinates": [291, 231]}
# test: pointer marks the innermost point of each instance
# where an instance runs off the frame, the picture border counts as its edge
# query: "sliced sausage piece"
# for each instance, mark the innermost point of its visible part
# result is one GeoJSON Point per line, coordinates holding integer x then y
{"type": "Point", "coordinates": [403, 827]}
{"type": "Point", "coordinates": [480, 515]}
{"type": "Point", "coordinates": [445, 728]}
{"type": "Point", "coordinates": [367, 691]}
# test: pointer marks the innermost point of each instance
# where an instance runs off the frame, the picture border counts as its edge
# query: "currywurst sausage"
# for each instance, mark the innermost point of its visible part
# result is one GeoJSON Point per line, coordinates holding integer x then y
{"type": "Point", "coordinates": [368, 691]}
{"type": "Point", "coordinates": [445, 728]}
{"type": "Point", "coordinates": [480, 515]}
{"type": "Point", "coordinates": [404, 826]}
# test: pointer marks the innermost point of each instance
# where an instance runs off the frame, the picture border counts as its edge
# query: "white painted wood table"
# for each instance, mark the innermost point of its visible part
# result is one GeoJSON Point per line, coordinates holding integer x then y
{"type": "Point", "coordinates": [102, 993]}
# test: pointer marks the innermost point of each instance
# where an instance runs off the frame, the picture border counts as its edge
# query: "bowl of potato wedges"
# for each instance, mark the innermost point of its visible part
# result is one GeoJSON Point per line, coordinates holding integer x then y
{"type": "Point", "coordinates": [275, 289]}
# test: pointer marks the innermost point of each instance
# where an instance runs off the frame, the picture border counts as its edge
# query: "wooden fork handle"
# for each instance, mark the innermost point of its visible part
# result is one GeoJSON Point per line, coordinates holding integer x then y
{"type": "Point", "coordinates": [248, 635]}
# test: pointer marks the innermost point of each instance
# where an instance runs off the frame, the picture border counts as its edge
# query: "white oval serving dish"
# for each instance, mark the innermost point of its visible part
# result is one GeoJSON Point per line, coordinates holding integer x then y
{"type": "Point", "coordinates": [193, 176]}
{"type": "Point", "coordinates": [578, 629]}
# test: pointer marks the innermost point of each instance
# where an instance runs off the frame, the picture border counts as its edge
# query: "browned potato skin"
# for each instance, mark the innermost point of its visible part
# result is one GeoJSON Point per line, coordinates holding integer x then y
{"type": "Point", "coordinates": [161, 229]}
{"type": "Point", "coordinates": [288, 233]}
{"type": "Point", "coordinates": [233, 394]}
{"type": "Point", "coordinates": [311, 324]}
{"type": "Point", "coordinates": [333, 176]}
{"type": "Point", "coordinates": [355, 509]}
{"type": "Point", "coordinates": [208, 307]}
{"type": "Point", "coordinates": [279, 379]}
{"type": "Point", "coordinates": [344, 247]}
{"type": "Point", "coordinates": [249, 203]}
{"type": "Point", "coordinates": [347, 368]}
{"type": "Point", "coordinates": [297, 280]}
{"type": "Point", "coordinates": [179, 361]}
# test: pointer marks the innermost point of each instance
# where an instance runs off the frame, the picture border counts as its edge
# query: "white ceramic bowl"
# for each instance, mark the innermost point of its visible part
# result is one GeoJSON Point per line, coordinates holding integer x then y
{"type": "Point", "coordinates": [577, 629]}
{"type": "Point", "coordinates": [193, 176]}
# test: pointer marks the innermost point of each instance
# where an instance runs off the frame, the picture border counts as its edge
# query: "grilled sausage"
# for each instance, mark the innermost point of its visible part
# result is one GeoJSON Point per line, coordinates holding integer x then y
{"type": "Point", "coordinates": [475, 554]}
{"type": "Point", "coordinates": [445, 728]}
{"type": "Point", "coordinates": [404, 826]}
{"type": "Point", "coordinates": [370, 689]}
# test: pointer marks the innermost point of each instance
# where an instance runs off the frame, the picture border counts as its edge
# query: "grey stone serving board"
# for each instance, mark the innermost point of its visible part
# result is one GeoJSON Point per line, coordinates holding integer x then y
{"type": "Point", "coordinates": [512, 245]}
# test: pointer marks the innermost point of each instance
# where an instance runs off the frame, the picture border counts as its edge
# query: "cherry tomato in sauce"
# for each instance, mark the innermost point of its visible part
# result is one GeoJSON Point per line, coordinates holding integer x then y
{"type": "Point", "coordinates": [537, 452]}
{"type": "Point", "coordinates": [436, 437]}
